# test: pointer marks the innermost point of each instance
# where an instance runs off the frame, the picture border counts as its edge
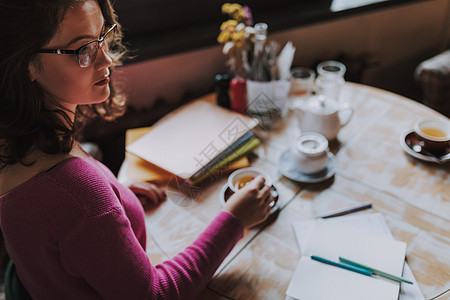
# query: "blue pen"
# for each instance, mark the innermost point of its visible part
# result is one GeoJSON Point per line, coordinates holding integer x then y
{"type": "Point", "coordinates": [375, 271]}
{"type": "Point", "coordinates": [343, 266]}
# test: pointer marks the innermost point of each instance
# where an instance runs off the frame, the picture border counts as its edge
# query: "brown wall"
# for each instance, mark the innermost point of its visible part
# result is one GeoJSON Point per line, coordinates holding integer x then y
{"type": "Point", "coordinates": [395, 39]}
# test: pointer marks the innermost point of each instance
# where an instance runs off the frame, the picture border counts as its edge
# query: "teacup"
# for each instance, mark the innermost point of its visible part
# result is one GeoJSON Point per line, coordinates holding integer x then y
{"type": "Point", "coordinates": [435, 134]}
{"type": "Point", "coordinates": [310, 153]}
{"type": "Point", "coordinates": [240, 178]}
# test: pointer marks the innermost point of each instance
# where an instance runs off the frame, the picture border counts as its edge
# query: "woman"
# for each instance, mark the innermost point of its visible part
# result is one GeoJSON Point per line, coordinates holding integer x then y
{"type": "Point", "coordinates": [71, 230]}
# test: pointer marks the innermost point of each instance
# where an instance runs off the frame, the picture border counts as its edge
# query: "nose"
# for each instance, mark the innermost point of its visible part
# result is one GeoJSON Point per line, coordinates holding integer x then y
{"type": "Point", "coordinates": [103, 59]}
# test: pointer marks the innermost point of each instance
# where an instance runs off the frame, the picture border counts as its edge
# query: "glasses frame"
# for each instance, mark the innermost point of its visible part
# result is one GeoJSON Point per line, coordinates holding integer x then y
{"type": "Point", "coordinates": [77, 51]}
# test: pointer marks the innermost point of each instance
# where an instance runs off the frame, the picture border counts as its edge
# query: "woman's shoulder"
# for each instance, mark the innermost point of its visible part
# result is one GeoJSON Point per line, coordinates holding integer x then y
{"type": "Point", "coordinates": [86, 185]}
{"type": "Point", "coordinates": [70, 173]}
{"type": "Point", "coordinates": [78, 174]}
{"type": "Point", "coordinates": [16, 175]}
{"type": "Point", "coordinates": [72, 167]}
{"type": "Point", "coordinates": [38, 164]}
{"type": "Point", "coordinates": [74, 182]}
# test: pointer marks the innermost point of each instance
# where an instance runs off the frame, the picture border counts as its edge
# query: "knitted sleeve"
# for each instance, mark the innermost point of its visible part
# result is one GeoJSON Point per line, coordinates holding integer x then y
{"type": "Point", "coordinates": [104, 252]}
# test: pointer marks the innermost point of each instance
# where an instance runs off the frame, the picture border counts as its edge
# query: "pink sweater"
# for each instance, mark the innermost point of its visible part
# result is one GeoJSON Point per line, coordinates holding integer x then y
{"type": "Point", "coordinates": [74, 232]}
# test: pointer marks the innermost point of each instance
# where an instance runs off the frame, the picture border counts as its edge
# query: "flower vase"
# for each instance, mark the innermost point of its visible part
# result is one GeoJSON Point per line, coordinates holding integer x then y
{"type": "Point", "coordinates": [238, 91]}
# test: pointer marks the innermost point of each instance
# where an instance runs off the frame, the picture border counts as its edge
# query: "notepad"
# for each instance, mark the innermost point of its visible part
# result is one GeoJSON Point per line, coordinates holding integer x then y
{"type": "Point", "coordinates": [333, 238]}
{"type": "Point", "coordinates": [188, 139]}
{"type": "Point", "coordinates": [135, 168]}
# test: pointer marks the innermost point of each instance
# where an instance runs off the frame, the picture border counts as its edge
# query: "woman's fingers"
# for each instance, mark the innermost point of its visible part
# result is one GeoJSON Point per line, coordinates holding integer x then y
{"type": "Point", "coordinates": [258, 182]}
{"type": "Point", "coordinates": [251, 205]}
{"type": "Point", "coordinates": [152, 192]}
{"type": "Point", "coordinates": [264, 193]}
{"type": "Point", "coordinates": [160, 192]}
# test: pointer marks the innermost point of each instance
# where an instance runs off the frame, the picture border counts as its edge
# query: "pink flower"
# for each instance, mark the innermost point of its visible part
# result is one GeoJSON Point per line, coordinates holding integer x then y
{"type": "Point", "coordinates": [249, 19]}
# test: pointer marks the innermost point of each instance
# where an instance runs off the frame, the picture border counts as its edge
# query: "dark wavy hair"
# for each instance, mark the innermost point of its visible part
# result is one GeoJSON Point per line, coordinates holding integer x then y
{"type": "Point", "coordinates": [26, 123]}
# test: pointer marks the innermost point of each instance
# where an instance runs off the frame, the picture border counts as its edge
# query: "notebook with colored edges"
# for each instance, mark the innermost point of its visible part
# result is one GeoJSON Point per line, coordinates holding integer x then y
{"type": "Point", "coordinates": [138, 169]}
{"type": "Point", "coordinates": [188, 139]}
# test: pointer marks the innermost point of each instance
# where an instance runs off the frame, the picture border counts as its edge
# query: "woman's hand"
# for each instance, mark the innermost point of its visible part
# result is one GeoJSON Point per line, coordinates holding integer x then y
{"type": "Point", "coordinates": [149, 194]}
{"type": "Point", "coordinates": [251, 204]}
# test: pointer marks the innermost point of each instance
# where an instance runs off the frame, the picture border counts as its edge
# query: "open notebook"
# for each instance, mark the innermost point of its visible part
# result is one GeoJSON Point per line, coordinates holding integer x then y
{"type": "Point", "coordinates": [135, 168]}
{"type": "Point", "coordinates": [337, 237]}
{"type": "Point", "coordinates": [188, 139]}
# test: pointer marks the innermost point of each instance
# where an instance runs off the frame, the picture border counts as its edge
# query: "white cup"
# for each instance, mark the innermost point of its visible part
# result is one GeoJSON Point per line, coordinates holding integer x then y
{"type": "Point", "coordinates": [310, 153]}
{"type": "Point", "coordinates": [435, 134]}
{"type": "Point", "coordinates": [239, 178]}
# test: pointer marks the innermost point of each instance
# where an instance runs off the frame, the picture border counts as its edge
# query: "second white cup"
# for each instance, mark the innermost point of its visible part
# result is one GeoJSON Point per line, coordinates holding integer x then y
{"type": "Point", "coordinates": [310, 153]}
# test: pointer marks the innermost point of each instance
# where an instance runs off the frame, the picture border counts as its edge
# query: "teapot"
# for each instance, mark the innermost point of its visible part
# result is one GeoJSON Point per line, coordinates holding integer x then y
{"type": "Point", "coordinates": [323, 115]}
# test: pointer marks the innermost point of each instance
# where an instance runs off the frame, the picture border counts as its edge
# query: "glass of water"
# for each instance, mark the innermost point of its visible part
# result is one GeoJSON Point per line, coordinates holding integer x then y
{"type": "Point", "coordinates": [330, 78]}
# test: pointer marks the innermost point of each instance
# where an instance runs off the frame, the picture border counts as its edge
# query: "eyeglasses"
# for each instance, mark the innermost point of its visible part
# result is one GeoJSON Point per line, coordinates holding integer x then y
{"type": "Point", "coordinates": [87, 53]}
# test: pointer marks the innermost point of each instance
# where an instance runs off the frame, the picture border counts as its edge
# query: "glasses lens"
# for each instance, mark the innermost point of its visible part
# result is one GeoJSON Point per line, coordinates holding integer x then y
{"type": "Point", "coordinates": [87, 54]}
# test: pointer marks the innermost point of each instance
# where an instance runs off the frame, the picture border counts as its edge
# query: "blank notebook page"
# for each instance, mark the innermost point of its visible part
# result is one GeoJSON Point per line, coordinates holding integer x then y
{"type": "Point", "coordinates": [331, 239]}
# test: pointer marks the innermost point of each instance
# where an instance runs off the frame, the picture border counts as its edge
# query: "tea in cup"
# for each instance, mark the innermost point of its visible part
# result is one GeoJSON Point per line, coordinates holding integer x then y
{"type": "Point", "coordinates": [240, 178]}
{"type": "Point", "coordinates": [435, 134]}
{"type": "Point", "coordinates": [310, 153]}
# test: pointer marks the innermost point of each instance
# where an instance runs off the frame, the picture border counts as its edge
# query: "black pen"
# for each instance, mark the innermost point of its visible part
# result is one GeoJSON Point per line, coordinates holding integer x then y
{"type": "Point", "coordinates": [346, 211]}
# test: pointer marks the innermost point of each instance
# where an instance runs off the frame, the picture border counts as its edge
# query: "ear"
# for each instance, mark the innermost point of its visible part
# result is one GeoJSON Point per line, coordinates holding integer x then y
{"type": "Point", "coordinates": [32, 71]}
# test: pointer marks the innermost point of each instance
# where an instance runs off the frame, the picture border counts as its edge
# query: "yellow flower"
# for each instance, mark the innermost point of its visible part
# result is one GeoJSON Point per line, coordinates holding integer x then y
{"type": "Point", "coordinates": [230, 8]}
{"type": "Point", "coordinates": [226, 8]}
{"type": "Point", "coordinates": [229, 25]}
{"type": "Point", "coordinates": [240, 15]}
{"type": "Point", "coordinates": [237, 35]}
{"type": "Point", "coordinates": [234, 37]}
{"type": "Point", "coordinates": [223, 37]}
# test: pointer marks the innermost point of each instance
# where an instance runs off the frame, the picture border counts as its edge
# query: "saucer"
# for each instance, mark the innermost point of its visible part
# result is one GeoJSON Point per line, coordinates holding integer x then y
{"type": "Point", "coordinates": [409, 136]}
{"type": "Point", "coordinates": [287, 169]}
{"type": "Point", "coordinates": [226, 193]}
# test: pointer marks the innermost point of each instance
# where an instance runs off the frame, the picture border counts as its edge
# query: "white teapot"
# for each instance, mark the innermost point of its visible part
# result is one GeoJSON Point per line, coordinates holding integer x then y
{"type": "Point", "coordinates": [323, 115]}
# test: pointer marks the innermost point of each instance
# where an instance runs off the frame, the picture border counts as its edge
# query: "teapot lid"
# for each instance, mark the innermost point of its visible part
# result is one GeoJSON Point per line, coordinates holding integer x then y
{"type": "Point", "coordinates": [322, 104]}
